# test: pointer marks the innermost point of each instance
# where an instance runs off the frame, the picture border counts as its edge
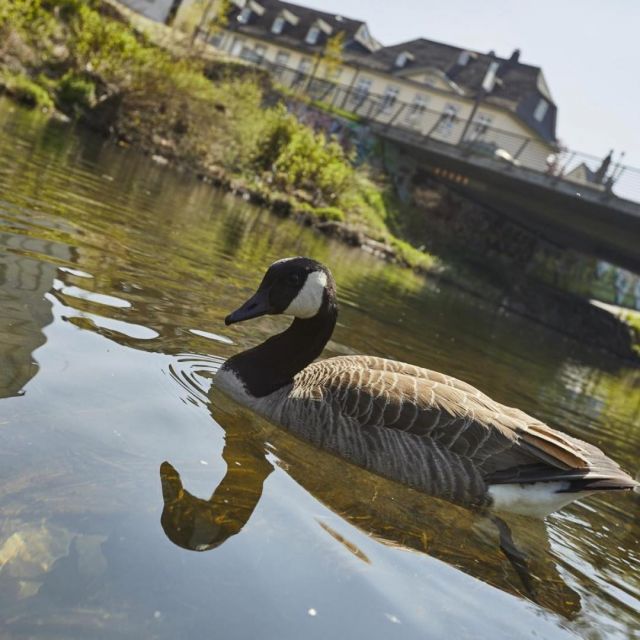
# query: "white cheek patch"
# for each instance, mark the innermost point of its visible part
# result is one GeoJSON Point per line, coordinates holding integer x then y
{"type": "Point", "coordinates": [309, 300]}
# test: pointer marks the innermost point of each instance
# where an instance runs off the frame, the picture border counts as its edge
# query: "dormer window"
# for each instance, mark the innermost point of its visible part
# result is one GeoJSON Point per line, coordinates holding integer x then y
{"type": "Point", "coordinates": [463, 58]}
{"type": "Point", "coordinates": [278, 25]}
{"type": "Point", "coordinates": [244, 15]}
{"type": "Point", "coordinates": [402, 58]}
{"type": "Point", "coordinates": [541, 110]}
{"type": "Point", "coordinates": [312, 35]}
{"type": "Point", "coordinates": [489, 80]}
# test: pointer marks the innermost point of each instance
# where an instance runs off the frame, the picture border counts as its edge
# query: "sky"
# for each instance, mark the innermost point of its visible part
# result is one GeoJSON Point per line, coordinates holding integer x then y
{"type": "Point", "coordinates": [589, 51]}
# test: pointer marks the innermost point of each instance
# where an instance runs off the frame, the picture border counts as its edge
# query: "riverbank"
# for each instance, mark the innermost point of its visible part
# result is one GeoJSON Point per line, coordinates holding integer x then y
{"type": "Point", "coordinates": [221, 119]}
{"type": "Point", "coordinates": [225, 122]}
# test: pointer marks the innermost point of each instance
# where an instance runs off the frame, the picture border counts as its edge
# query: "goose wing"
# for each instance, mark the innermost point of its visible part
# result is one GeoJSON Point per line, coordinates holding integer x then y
{"type": "Point", "coordinates": [503, 443]}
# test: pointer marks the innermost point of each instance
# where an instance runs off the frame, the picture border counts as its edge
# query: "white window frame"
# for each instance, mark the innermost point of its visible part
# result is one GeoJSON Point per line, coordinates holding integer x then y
{"type": "Point", "coordinates": [417, 108]}
{"type": "Point", "coordinates": [481, 123]}
{"type": "Point", "coordinates": [448, 118]}
{"type": "Point", "coordinates": [312, 35]}
{"type": "Point", "coordinates": [541, 109]}
{"type": "Point", "coordinates": [278, 25]}
{"type": "Point", "coordinates": [463, 58]}
{"type": "Point", "coordinates": [389, 98]}
{"type": "Point", "coordinates": [245, 15]}
{"type": "Point", "coordinates": [361, 90]}
{"type": "Point", "coordinates": [236, 47]}
{"type": "Point", "coordinates": [401, 59]}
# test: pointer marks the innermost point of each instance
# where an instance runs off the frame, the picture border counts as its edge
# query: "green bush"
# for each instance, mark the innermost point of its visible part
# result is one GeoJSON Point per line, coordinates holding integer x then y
{"type": "Point", "coordinates": [73, 90]}
{"type": "Point", "coordinates": [28, 92]}
{"type": "Point", "coordinates": [329, 213]}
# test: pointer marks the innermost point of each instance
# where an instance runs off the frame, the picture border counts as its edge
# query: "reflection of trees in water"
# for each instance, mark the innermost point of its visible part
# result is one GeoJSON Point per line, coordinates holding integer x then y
{"type": "Point", "coordinates": [25, 310]}
{"type": "Point", "coordinates": [392, 514]}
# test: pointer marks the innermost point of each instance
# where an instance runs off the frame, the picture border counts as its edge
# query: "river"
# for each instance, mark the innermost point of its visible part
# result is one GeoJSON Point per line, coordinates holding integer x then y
{"type": "Point", "coordinates": [135, 502]}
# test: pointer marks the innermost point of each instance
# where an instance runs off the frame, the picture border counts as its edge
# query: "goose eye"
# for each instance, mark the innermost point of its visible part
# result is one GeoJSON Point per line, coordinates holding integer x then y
{"type": "Point", "coordinates": [293, 279]}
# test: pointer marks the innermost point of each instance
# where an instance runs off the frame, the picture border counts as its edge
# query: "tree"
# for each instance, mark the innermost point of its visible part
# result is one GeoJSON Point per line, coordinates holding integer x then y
{"type": "Point", "coordinates": [331, 57]}
{"type": "Point", "coordinates": [332, 54]}
{"type": "Point", "coordinates": [205, 17]}
{"type": "Point", "coordinates": [220, 16]}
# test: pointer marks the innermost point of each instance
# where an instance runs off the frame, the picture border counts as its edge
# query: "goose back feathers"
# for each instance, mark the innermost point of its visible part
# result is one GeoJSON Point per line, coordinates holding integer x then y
{"type": "Point", "coordinates": [425, 429]}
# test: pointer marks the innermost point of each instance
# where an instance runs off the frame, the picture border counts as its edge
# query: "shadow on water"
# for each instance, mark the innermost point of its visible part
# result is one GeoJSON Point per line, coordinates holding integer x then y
{"type": "Point", "coordinates": [390, 513]}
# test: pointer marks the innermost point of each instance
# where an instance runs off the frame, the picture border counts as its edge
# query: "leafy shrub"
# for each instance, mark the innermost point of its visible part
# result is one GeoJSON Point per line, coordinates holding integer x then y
{"type": "Point", "coordinates": [73, 89]}
{"type": "Point", "coordinates": [28, 92]}
{"type": "Point", "coordinates": [329, 213]}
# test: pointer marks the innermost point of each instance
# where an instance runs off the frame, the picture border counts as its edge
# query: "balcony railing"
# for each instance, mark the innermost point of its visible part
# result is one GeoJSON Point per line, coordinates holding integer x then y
{"type": "Point", "coordinates": [477, 138]}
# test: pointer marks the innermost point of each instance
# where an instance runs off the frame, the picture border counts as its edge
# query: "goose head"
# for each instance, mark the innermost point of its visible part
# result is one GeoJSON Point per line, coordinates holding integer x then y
{"type": "Point", "coordinates": [298, 287]}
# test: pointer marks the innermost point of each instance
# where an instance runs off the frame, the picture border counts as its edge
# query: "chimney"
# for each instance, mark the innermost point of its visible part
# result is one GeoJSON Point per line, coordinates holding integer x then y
{"type": "Point", "coordinates": [515, 56]}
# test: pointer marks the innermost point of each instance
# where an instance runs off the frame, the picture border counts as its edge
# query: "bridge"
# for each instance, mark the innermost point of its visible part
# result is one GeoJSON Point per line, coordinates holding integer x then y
{"type": "Point", "coordinates": [572, 199]}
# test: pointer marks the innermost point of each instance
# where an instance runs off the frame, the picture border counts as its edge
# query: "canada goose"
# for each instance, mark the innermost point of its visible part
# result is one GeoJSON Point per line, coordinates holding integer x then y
{"type": "Point", "coordinates": [420, 427]}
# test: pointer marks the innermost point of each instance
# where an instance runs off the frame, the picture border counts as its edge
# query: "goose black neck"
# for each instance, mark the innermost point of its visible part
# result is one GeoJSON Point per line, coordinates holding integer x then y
{"type": "Point", "coordinates": [273, 364]}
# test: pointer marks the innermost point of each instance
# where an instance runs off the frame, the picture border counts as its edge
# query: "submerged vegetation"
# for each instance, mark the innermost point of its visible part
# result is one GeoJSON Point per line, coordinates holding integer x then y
{"type": "Point", "coordinates": [82, 58]}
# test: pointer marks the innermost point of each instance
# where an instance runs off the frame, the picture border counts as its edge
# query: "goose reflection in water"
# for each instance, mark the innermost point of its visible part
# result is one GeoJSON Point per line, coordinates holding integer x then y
{"type": "Point", "coordinates": [477, 543]}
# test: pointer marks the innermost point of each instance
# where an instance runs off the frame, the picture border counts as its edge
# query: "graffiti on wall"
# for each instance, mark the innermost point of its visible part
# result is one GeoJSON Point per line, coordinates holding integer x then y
{"type": "Point", "coordinates": [353, 136]}
{"type": "Point", "coordinates": [624, 286]}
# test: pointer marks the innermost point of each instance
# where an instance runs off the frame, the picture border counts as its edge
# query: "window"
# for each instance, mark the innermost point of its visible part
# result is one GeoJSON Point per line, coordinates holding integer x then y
{"type": "Point", "coordinates": [541, 110]}
{"type": "Point", "coordinates": [481, 123]}
{"type": "Point", "coordinates": [216, 39]}
{"type": "Point", "coordinates": [236, 49]}
{"type": "Point", "coordinates": [312, 35]}
{"type": "Point", "coordinates": [389, 98]}
{"type": "Point", "coordinates": [463, 58]}
{"type": "Point", "coordinates": [417, 108]}
{"type": "Point", "coordinates": [248, 54]}
{"type": "Point", "coordinates": [304, 66]}
{"type": "Point", "coordinates": [361, 90]}
{"type": "Point", "coordinates": [401, 60]}
{"type": "Point", "coordinates": [282, 57]}
{"type": "Point", "coordinates": [448, 118]}
{"type": "Point", "coordinates": [489, 80]}
{"type": "Point", "coordinates": [278, 25]}
{"type": "Point", "coordinates": [260, 50]}
{"type": "Point", "coordinates": [244, 15]}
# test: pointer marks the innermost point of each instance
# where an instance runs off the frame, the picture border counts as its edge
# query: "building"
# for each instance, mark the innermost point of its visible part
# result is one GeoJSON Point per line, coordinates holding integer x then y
{"type": "Point", "coordinates": [497, 106]}
{"type": "Point", "coordinates": [158, 10]}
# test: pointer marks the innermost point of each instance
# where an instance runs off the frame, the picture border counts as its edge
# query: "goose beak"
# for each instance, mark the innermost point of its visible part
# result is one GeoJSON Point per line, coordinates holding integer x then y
{"type": "Point", "coordinates": [257, 305]}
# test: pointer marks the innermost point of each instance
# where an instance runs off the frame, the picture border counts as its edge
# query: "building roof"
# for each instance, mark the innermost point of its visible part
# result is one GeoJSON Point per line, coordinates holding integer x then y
{"type": "Point", "coordinates": [518, 87]}
{"type": "Point", "coordinates": [357, 38]}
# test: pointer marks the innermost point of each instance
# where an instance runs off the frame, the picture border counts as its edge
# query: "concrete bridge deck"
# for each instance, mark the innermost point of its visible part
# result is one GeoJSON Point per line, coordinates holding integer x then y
{"type": "Point", "coordinates": [578, 217]}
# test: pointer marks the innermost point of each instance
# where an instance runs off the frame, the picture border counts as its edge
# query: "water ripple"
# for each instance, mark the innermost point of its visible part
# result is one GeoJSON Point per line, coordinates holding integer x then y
{"type": "Point", "coordinates": [193, 372]}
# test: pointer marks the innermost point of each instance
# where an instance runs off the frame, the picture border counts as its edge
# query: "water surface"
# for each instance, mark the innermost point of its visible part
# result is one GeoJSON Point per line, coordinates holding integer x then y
{"type": "Point", "coordinates": [137, 503]}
